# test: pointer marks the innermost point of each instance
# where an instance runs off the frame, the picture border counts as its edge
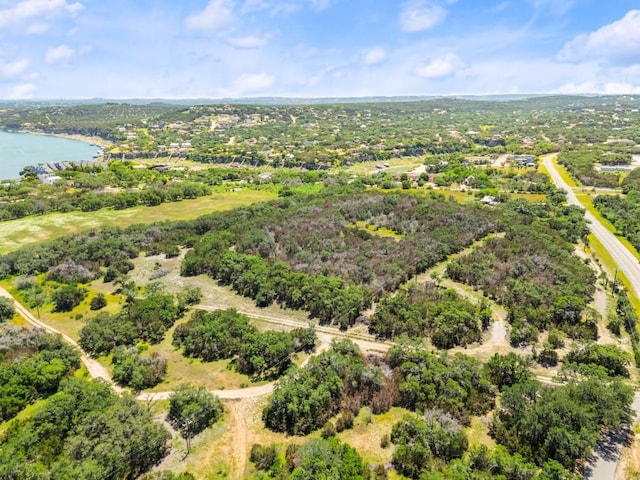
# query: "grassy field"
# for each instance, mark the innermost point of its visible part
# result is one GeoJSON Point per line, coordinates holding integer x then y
{"type": "Point", "coordinates": [16, 233]}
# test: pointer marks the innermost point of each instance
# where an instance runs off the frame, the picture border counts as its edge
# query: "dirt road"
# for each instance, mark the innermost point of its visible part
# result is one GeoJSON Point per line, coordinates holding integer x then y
{"type": "Point", "coordinates": [96, 370]}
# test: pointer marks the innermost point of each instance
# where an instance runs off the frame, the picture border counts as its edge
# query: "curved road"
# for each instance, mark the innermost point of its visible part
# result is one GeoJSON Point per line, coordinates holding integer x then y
{"type": "Point", "coordinates": [95, 369]}
{"type": "Point", "coordinates": [604, 464]}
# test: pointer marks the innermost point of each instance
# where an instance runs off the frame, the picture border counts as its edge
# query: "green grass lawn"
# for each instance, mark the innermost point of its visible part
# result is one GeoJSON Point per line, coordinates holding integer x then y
{"type": "Point", "coordinates": [16, 233]}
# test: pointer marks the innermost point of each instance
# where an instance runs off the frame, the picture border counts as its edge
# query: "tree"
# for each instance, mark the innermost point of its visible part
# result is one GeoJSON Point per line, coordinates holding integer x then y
{"type": "Point", "coordinates": [421, 443]}
{"type": "Point", "coordinates": [98, 302]}
{"type": "Point", "coordinates": [192, 409]}
{"type": "Point", "coordinates": [67, 297]}
{"type": "Point", "coordinates": [7, 310]}
{"type": "Point", "coordinates": [506, 370]}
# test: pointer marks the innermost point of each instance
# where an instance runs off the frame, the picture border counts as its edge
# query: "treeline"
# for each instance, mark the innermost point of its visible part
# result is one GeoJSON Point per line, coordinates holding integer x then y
{"type": "Point", "coordinates": [32, 366]}
{"type": "Point", "coordinates": [339, 380]}
{"type": "Point", "coordinates": [316, 458]}
{"type": "Point", "coordinates": [561, 423]}
{"type": "Point", "coordinates": [83, 431]}
{"type": "Point", "coordinates": [227, 334]}
{"type": "Point", "coordinates": [91, 201]}
{"type": "Point", "coordinates": [455, 384]}
{"type": "Point", "coordinates": [427, 310]}
{"type": "Point", "coordinates": [580, 163]}
{"type": "Point", "coordinates": [533, 272]}
{"type": "Point", "coordinates": [623, 213]}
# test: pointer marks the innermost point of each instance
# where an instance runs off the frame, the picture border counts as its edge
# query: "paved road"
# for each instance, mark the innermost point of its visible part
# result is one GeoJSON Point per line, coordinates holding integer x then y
{"type": "Point", "coordinates": [626, 261]}
{"type": "Point", "coordinates": [604, 464]}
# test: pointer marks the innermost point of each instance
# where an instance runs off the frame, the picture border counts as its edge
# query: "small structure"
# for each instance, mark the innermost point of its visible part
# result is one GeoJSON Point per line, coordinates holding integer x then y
{"type": "Point", "coordinates": [524, 160]}
{"type": "Point", "coordinates": [49, 179]}
{"type": "Point", "coordinates": [489, 200]}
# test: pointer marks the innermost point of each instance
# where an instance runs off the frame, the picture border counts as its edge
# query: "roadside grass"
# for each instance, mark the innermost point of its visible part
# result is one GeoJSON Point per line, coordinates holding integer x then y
{"type": "Point", "coordinates": [587, 202]}
{"type": "Point", "coordinates": [34, 229]}
{"type": "Point", "coordinates": [610, 267]}
{"type": "Point", "coordinates": [564, 174]}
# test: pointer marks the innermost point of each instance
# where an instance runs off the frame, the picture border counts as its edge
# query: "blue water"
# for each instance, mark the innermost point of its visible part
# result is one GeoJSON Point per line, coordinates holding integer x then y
{"type": "Point", "coordinates": [17, 150]}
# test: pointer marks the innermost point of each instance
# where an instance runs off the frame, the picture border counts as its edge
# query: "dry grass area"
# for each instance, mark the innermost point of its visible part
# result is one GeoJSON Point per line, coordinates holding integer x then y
{"type": "Point", "coordinates": [367, 432]}
{"type": "Point", "coordinates": [180, 369]}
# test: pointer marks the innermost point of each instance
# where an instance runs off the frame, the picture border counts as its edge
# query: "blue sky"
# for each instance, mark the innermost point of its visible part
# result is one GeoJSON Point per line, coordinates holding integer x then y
{"type": "Point", "coordinates": [316, 48]}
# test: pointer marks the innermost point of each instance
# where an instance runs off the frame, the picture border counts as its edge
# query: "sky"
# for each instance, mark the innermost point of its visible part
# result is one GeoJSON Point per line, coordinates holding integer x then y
{"type": "Point", "coordinates": [176, 49]}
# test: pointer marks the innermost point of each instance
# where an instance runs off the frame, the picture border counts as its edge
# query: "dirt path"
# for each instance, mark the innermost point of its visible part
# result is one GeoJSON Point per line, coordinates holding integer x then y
{"type": "Point", "coordinates": [95, 369]}
{"type": "Point", "coordinates": [240, 448]}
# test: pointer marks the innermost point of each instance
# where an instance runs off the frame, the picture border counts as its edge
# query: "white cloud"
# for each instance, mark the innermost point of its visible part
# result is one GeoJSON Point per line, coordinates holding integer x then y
{"type": "Point", "coordinates": [284, 7]}
{"type": "Point", "coordinates": [13, 69]}
{"type": "Point", "coordinates": [216, 14]}
{"type": "Point", "coordinates": [321, 4]}
{"type": "Point", "coordinates": [25, 90]}
{"type": "Point", "coordinates": [250, 41]}
{"type": "Point", "coordinates": [606, 88]}
{"type": "Point", "coordinates": [28, 9]}
{"type": "Point", "coordinates": [557, 7]}
{"type": "Point", "coordinates": [253, 82]}
{"type": "Point", "coordinates": [419, 15]}
{"type": "Point", "coordinates": [60, 53]}
{"type": "Point", "coordinates": [617, 40]}
{"type": "Point", "coordinates": [37, 29]}
{"type": "Point", "coordinates": [440, 67]}
{"type": "Point", "coordinates": [374, 56]}
{"type": "Point", "coordinates": [500, 7]}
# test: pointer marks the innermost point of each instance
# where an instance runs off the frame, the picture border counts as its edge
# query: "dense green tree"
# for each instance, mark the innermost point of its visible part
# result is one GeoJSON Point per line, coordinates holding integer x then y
{"type": "Point", "coordinates": [192, 409]}
{"type": "Point", "coordinates": [7, 310]}
{"type": "Point", "coordinates": [427, 444]}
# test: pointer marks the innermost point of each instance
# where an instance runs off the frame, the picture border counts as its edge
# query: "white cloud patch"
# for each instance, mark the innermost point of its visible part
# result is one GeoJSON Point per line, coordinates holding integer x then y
{"type": "Point", "coordinates": [615, 41]}
{"type": "Point", "coordinates": [440, 67]}
{"type": "Point", "coordinates": [250, 41]}
{"type": "Point", "coordinates": [58, 54]}
{"type": "Point", "coordinates": [25, 90]}
{"type": "Point", "coordinates": [556, 7]}
{"type": "Point", "coordinates": [37, 29]}
{"type": "Point", "coordinates": [29, 9]}
{"type": "Point", "coordinates": [13, 69]}
{"type": "Point", "coordinates": [374, 56]}
{"type": "Point", "coordinates": [254, 82]}
{"type": "Point", "coordinates": [604, 88]}
{"type": "Point", "coordinates": [419, 15]}
{"type": "Point", "coordinates": [500, 7]}
{"type": "Point", "coordinates": [217, 14]}
{"type": "Point", "coordinates": [321, 4]}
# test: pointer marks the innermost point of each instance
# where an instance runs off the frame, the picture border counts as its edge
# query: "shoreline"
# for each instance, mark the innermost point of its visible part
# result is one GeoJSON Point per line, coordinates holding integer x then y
{"type": "Point", "coordinates": [99, 141]}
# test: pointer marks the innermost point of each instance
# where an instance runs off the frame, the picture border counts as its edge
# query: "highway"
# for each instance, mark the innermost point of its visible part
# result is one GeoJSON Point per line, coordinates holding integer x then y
{"type": "Point", "coordinates": [626, 261]}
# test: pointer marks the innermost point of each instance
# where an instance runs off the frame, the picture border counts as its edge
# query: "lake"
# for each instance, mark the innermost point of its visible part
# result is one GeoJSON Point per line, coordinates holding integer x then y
{"type": "Point", "coordinates": [17, 150]}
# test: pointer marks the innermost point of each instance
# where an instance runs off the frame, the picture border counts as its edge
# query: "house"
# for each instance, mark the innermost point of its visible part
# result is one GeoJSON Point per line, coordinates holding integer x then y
{"type": "Point", "coordinates": [524, 160]}
{"type": "Point", "coordinates": [49, 179]}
